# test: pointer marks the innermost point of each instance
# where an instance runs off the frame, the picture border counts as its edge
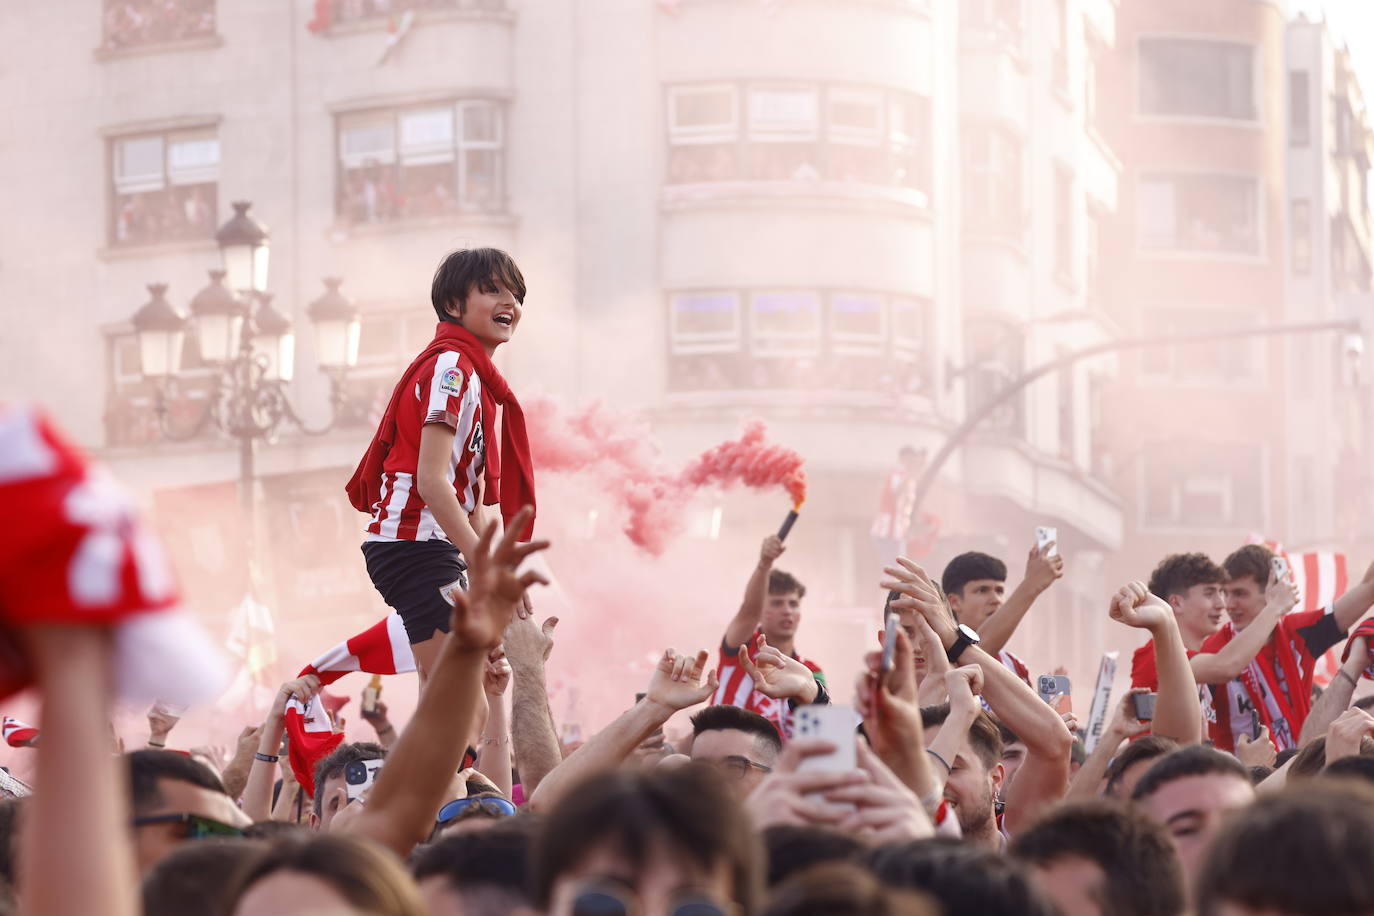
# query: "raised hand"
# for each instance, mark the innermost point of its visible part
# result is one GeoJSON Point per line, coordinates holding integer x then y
{"type": "Point", "coordinates": [919, 594]}
{"type": "Point", "coordinates": [527, 643]}
{"type": "Point", "coordinates": [496, 673]}
{"type": "Point", "coordinates": [1124, 724]}
{"type": "Point", "coordinates": [1344, 737]}
{"type": "Point", "coordinates": [965, 686]}
{"type": "Point", "coordinates": [1259, 752]}
{"type": "Point", "coordinates": [772, 549]}
{"type": "Point", "coordinates": [1282, 593]}
{"type": "Point", "coordinates": [1042, 569]}
{"type": "Point", "coordinates": [1135, 606]}
{"type": "Point", "coordinates": [777, 674]}
{"type": "Point", "coordinates": [885, 810]}
{"type": "Point", "coordinates": [786, 797]}
{"type": "Point", "coordinates": [680, 681]}
{"type": "Point", "coordinates": [495, 585]}
{"type": "Point", "coordinates": [160, 722]}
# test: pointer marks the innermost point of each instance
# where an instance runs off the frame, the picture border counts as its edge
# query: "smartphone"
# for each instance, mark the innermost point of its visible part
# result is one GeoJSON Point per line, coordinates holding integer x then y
{"type": "Point", "coordinates": [836, 724]}
{"type": "Point", "coordinates": [889, 643]}
{"type": "Point", "coordinates": [1144, 706]}
{"type": "Point", "coordinates": [1044, 537]}
{"type": "Point", "coordinates": [166, 708]}
{"type": "Point", "coordinates": [1280, 567]}
{"type": "Point", "coordinates": [1053, 685]}
{"type": "Point", "coordinates": [359, 776]}
{"type": "Point", "coordinates": [1256, 727]}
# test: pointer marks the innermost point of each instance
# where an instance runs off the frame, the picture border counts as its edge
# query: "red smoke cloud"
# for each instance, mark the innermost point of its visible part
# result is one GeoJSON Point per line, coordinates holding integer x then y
{"type": "Point", "coordinates": [624, 454]}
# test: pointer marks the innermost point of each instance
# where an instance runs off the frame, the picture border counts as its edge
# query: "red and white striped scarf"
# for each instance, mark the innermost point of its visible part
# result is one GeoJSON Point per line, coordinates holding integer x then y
{"type": "Point", "coordinates": [382, 648]}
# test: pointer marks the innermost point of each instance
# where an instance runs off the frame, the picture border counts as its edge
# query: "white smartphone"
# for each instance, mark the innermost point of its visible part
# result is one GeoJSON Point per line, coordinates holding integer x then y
{"type": "Point", "coordinates": [836, 724]}
{"type": "Point", "coordinates": [168, 708]}
{"type": "Point", "coordinates": [889, 643]}
{"type": "Point", "coordinates": [1280, 567]}
{"type": "Point", "coordinates": [1045, 536]}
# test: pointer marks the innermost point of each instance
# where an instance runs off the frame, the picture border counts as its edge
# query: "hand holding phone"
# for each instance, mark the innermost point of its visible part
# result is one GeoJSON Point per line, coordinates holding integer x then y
{"type": "Point", "coordinates": [1044, 537]}
{"type": "Point", "coordinates": [1144, 706]}
{"type": "Point", "coordinates": [835, 724]}
{"type": "Point", "coordinates": [359, 776]}
{"type": "Point", "coordinates": [1053, 685]}
{"type": "Point", "coordinates": [889, 643]}
{"type": "Point", "coordinates": [1279, 565]}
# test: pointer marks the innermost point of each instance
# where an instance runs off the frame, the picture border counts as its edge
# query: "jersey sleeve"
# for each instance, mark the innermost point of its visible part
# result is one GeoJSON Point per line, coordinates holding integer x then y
{"type": "Point", "coordinates": [444, 390]}
{"type": "Point", "coordinates": [1318, 629]}
{"type": "Point", "coordinates": [1143, 673]}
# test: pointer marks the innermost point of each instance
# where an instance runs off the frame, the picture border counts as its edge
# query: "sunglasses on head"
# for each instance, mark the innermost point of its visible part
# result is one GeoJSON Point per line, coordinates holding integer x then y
{"type": "Point", "coordinates": [609, 900]}
{"type": "Point", "coordinates": [492, 804]}
{"type": "Point", "coordinates": [197, 827]}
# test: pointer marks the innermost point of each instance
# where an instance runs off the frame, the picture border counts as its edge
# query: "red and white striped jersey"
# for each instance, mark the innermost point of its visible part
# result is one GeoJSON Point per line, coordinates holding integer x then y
{"type": "Point", "coordinates": [446, 390]}
{"type": "Point", "coordinates": [1015, 665]}
{"type": "Point", "coordinates": [737, 688]}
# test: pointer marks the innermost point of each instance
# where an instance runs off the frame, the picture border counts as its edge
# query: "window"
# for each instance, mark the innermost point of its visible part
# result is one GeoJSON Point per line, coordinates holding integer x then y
{"type": "Point", "coordinates": [1198, 79]}
{"type": "Point", "coordinates": [132, 23]}
{"type": "Point", "coordinates": [798, 133]}
{"type": "Point", "coordinates": [992, 182]}
{"type": "Point", "coordinates": [1060, 43]}
{"type": "Point", "coordinates": [164, 187]}
{"type": "Point", "coordinates": [1063, 223]}
{"type": "Point", "coordinates": [999, 20]}
{"type": "Point", "coordinates": [1095, 274]}
{"type": "Point", "coordinates": [1301, 219]}
{"type": "Point", "coordinates": [335, 11]}
{"type": "Point", "coordinates": [130, 418]}
{"type": "Point", "coordinates": [1221, 361]}
{"type": "Point", "coordinates": [799, 339]}
{"type": "Point", "coordinates": [1094, 53]}
{"type": "Point", "coordinates": [1200, 213]}
{"type": "Point", "coordinates": [996, 355]}
{"type": "Point", "coordinates": [1204, 484]}
{"type": "Point", "coordinates": [421, 162]}
{"type": "Point", "coordinates": [1299, 108]}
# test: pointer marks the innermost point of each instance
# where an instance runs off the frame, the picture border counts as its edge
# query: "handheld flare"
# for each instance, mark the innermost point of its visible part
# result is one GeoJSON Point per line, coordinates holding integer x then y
{"type": "Point", "coordinates": [787, 523]}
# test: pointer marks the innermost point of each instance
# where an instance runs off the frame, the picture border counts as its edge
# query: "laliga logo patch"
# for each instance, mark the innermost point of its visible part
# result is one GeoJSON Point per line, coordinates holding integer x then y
{"type": "Point", "coordinates": [451, 381]}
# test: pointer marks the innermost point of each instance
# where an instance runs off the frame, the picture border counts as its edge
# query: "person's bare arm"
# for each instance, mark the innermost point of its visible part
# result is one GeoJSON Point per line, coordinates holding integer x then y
{"type": "Point", "coordinates": [235, 773]}
{"type": "Point", "coordinates": [401, 807]}
{"type": "Point", "coordinates": [257, 794]}
{"type": "Point", "coordinates": [1041, 572]}
{"type": "Point", "coordinates": [1087, 782]}
{"type": "Point", "coordinates": [746, 619]}
{"type": "Point", "coordinates": [1227, 664]}
{"type": "Point", "coordinates": [892, 720]}
{"type": "Point", "coordinates": [80, 813]}
{"type": "Point", "coordinates": [1356, 602]}
{"type": "Point", "coordinates": [494, 746]}
{"type": "Point", "coordinates": [1043, 778]}
{"type": "Point", "coordinates": [679, 681]}
{"type": "Point", "coordinates": [1335, 699]}
{"type": "Point", "coordinates": [1178, 714]}
{"type": "Point", "coordinates": [431, 479]}
{"type": "Point", "coordinates": [533, 735]}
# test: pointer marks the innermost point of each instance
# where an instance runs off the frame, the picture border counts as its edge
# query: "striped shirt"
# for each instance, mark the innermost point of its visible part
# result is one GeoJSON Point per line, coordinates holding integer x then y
{"type": "Point", "coordinates": [446, 390]}
{"type": "Point", "coordinates": [737, 687]}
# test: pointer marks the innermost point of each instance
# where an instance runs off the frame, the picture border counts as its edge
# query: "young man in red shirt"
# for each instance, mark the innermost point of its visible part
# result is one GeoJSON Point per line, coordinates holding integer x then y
{"type": "Point", "coordinates": [771, 679]}
{"type": "Point", "coordinates": [433, 465]}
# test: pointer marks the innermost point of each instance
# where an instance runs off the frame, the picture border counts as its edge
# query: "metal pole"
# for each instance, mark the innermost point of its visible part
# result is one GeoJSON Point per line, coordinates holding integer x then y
{"type": "Point", "coordinates": [961, 433]}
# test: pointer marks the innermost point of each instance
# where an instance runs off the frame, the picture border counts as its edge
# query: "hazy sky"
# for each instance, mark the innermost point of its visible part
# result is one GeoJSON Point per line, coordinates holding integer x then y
{"type": "Point", "coordinates": [1352, 22]}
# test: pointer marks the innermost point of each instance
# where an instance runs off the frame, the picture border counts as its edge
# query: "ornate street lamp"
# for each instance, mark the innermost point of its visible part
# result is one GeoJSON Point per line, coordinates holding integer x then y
{"type": "Point", "coordinates": [243, 250]}
{"type": "Point", "coordinates": [274, 342]}
{"type": "Point", "coordinates": [219, 318]}
{"type": "Point", "coordinates": [338, 324]}
{"type": "Point", "coordinates": [161, 331]}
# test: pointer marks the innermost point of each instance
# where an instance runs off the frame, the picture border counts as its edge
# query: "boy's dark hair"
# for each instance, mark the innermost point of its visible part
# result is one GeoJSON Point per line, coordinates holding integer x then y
{"type": "Point", "coordinates": [1148, 747]}
{"type": "Point", "coordinates": [1143, 876]}
{"type": "Point", "coordinates": [739, 719]}
{"type": "Point", "coordinates": [965, 880]}
{"type": "Point", "coordinates": [497, 857]}
{"type": "Point", "coordinates": [844, 889]}
{"type": "Point", "coordinates": [368, 877]}
{"type": "Point", "coordinates": [1252, 560]}
{"type": "Point", "coordinates": [971, 567]}
{"type": "Point", "coordinates": [1284, 756]}
{"type": "Point", "coordinates": [462, 270]}
{"type": "Point", "coordinates": [1311, 758]}
{"type": "Point", "coordinates": [1179, 572]}
{"type": "Point", "coordinates": [194, 877]}
{"type": "Point", "coordinates": [792, 849]}
{"type": "Point", "coordinates": [338, 759]}
{"type": "Point", "coordinates": [1259, 773]}
{"type": "Point", "coordinates": [983, 736]}
{"type": "Point", "coordinates": [1299, 851]}
{"type": "Point", "coordinates": [1193, 760]}
{"type": "Point", "coordinates": [784, 583]}
{"type": "Point", "coordinates": [688, 812]}
{"type": "Point", "coordinates": [147, 767]}
{"type": "Point", "coordinates": [1357, 767]}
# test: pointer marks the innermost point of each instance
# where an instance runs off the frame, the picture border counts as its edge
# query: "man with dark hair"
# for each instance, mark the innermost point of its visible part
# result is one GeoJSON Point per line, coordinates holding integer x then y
{"type": "Point", "coordinates": [433, 464]}
{"type": "Point", "coordinates": [1135, 759]}
{"type": "Point", "coordinates": [1096, 857]}
{"type": "Point", "coordinates": [975, 776]}
{"type": "Point", "coordinates": [175, 798]}
{"type": "Point", "coordinates": [1301, 852]}
{"type": "Point", "coordinates": [966, 880]}
{"type": "Point", "coordinates": [1191, 792]}
{"type": "Point", "coordinates": [1194, 587]}
{"type": "Point", "coordinates": [331, 793]}
{"type": "Point", "coordinates": [477, 874]}
{"type": "Point", "coordinates": [649, 841]}
{"type": "Point", "coordinates": [743, 745]}
{"type": "Point", "coordinates": [766, 627]}
{"type": "Point", "coordinates": [974, 585]}
{"type": "Point", "coordinates": [194, 877]}
{"type": "Point", "coordinates": [1273, 689]}
{"type": "Point", "coordinates": [793, 848]}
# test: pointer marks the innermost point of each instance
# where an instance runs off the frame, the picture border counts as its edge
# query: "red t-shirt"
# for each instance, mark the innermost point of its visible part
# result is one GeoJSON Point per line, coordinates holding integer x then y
{"type": "Point", "coordinates": [446, 389]}
{"type": "Point", "coordinates": [737, 687]}
{"type": "Point", "coordinates": [1145, 674]}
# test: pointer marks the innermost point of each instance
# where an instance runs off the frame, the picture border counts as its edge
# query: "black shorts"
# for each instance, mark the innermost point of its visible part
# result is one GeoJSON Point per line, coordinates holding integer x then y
{"type": "Point", "coordinates": [408, 576]}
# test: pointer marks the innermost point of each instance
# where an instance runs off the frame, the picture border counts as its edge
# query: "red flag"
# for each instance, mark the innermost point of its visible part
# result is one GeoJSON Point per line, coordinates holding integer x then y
{"type": "Point", "coordinates": [17, 733]}
{"type": "Point", "coordinates": [382, 648]}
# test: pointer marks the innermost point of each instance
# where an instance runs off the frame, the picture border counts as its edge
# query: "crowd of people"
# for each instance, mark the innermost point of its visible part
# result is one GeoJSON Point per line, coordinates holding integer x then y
{"type": "Point", "coordinates": [1220, 784]}
{"type": "Point", "coordinates": [129, 23]}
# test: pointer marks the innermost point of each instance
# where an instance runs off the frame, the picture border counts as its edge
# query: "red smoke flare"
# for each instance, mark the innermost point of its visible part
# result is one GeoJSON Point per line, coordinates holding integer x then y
{"type": "Point", "coordinates": [624, 454]}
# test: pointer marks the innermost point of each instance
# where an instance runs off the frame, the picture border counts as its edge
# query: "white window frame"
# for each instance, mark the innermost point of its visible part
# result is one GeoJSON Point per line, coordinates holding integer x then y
{"type": "Point", "coordinates": [427, 151]}
{"type": "Point", "coordinates": [903, 347]}
{"type": "Point", "coordinates": [1257, 201]}
{"type": "Point", "coordinates": [199, 173]}
{"type": "Point", "coordinates": [141, 182]}
{"type": "Point", "coordinates": [856, 136]}
{"type": "Point", "coordinates": [786, 343]}
{"type": "Point", "coordinates": [1256, 80]}
{"type": "Point", "coordinates": [849, 343]}
{"type": "Point", "coordinates": [683, 343]}
{"type": "Point", "coordinates": [697, 134]}
{"type": "Point", "coordinates": [767, 133]}
{"type": "Point", "coordinates": [356, 160]}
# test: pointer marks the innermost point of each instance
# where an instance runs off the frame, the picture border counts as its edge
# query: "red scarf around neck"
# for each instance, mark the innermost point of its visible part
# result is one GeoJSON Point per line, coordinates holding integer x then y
{"type": "Point", "coordinates": [512, 485]}
{"type": "Point", "coordinates": [1295, 702]}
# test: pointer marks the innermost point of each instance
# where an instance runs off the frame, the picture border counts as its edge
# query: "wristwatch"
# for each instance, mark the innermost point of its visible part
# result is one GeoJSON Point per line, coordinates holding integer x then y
{"type": "Point", "coordinates": [964, 636]}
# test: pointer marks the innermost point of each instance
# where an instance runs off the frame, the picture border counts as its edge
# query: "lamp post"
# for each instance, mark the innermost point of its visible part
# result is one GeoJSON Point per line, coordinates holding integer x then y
{"type": "Point", "coordinates": [250, 344]}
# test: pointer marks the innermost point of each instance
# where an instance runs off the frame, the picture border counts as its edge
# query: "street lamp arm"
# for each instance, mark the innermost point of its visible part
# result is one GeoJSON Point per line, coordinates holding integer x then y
{"type": "Point", "coordinates": [337, 397]}
{"type": "Point", "coordinates": [1016, 385]}
{"type": "Point", "coordinates": [208, 413]}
